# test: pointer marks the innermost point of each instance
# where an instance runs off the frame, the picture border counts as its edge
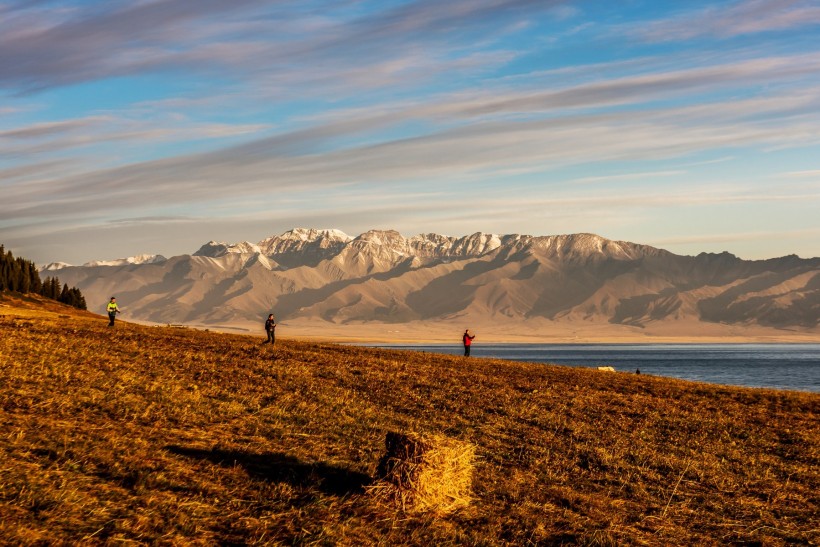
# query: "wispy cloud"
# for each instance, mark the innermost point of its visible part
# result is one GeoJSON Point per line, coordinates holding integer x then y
{"type": "Point", "coordinates": [243, 39]}
{"type": "Point", "coordinates": [627, 177]}
{"type": "Point", "coordinates": [734, 19]}
{"type": "Point", "coordinates": [731, 237]}
{"type": "Point", "coordinates": [49, 129]}
{"type": "Point", "coordinates": [95, 40]}
{"type": "Point", "coordinates": [465, 136]}
{"type": "Point", "coordinates": [151, 219]}
{"type": "Point", "coordinates": [813, 173]}
{"type": "Point", "coordinates": [44, 169]}
{"type": "Point", "coordinates": [50, 138]}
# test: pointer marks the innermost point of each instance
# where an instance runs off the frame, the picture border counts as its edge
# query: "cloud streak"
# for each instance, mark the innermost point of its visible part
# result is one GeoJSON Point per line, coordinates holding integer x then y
{"type": "Point", "coordinates": [735, 19]}
{"type": "Point", "coordinates": [93, 41]}
{"type": "Point", "coordinates": [465, 136]}
{"type": "Point", "coordinates": [122, 38]}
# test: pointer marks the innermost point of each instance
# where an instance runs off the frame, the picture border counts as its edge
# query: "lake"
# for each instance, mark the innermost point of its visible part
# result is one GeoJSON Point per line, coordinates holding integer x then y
{"type": "Point", "coordinates": [778, 366]}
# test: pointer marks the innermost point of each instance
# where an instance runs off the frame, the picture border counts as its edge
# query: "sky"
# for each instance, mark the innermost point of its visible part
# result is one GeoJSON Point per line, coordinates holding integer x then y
{"type": "Point", "coordinates": [153, 127]}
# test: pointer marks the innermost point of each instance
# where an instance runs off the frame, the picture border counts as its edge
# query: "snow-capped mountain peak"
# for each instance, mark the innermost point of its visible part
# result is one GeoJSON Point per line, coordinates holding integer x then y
{"type": "Point", "coordinates": [215, 249]}
{"type": "Point", "coordinates": [138, 259]}
{"type": "Point", "coordinates": [309, 235]}
{"type": "Point", "coordinates": [315, 245]}
{"type": "Point", "coordinates": [55, 266]}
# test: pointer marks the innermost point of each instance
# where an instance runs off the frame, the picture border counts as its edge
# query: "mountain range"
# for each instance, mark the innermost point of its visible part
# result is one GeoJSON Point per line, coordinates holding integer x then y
{"type": "Point", "coordinates": [522, 283]}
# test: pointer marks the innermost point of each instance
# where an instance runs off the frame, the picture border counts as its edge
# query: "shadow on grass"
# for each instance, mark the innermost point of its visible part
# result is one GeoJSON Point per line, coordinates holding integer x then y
{"type": "Point", "coordinates": [278, 467]}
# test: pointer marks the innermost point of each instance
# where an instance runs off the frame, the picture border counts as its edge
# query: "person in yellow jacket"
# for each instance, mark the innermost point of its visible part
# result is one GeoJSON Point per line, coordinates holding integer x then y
{"type": "Point", "coordinates": [113, 310]}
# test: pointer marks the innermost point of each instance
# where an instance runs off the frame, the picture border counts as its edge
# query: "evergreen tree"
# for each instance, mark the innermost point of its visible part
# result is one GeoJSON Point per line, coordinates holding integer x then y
{"type": "Point", "coordinates": [4, 270]}
{"type": "Point", "coordinates": [64, 294]}
{"type": "Point", "coordinates": [23, 279]}
{"type": "Point", "coordinates": [20, 275]}
{"type": "Point", "coordinates": [55, 288]}
{"type": "Point", "coordinates": [51, 288]}
{"type": "Point", "coordinates": [76, 299]}
{"type": "Point", "coordinates": [34, 275]}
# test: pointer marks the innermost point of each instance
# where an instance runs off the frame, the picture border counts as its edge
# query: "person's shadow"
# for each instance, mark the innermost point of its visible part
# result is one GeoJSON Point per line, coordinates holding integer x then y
{"type": "Point", "coordinates": [278, 467]}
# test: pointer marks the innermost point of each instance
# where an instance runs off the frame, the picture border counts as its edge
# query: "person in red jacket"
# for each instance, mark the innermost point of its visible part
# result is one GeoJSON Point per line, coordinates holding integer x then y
{"type": "Point", "coordinates": [468, 340]}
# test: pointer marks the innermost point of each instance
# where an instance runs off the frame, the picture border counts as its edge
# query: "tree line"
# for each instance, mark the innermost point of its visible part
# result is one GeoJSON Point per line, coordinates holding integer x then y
{"type": "Point", "coordinates": [20, 275]}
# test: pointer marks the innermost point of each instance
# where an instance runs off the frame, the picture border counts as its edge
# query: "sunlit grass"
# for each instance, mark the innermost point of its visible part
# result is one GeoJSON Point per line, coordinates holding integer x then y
{"type": "Point", "coordinates": [157, 435]}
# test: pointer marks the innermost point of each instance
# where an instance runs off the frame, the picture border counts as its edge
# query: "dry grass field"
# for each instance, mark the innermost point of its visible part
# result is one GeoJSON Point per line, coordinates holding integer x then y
{"type": "Point", "coordinates": [143, 435]}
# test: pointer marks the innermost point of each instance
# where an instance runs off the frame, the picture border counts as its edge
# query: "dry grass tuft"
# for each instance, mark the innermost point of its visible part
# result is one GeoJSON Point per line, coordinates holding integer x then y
{"type": "Point", "coordinates": [430, 473]}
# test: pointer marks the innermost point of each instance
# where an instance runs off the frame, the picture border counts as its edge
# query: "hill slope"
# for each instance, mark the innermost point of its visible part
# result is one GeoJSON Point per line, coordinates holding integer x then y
{"type": "Point", "coordinates": [156, 434]}
{"type": "Point", "coordinates": [319, 278]}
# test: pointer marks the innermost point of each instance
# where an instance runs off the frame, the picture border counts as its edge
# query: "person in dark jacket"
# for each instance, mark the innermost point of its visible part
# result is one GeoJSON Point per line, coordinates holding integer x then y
{"type": "Point", "coordinates": [270, 328]}
{"type": "Point", "coordinates": [468, 340]}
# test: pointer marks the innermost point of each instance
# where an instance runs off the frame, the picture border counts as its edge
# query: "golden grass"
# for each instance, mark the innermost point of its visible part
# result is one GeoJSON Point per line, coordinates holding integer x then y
{"type": "Point", "coordinates": [143, 435]}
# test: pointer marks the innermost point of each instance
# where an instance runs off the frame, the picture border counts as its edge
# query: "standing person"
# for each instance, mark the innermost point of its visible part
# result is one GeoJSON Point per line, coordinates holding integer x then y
{"type": "Point", "coordinates": [113, 310]}
{"type": "Point", "coordinates": [270, 328]}
{"type": "Point", "coordinates": [468, 340]}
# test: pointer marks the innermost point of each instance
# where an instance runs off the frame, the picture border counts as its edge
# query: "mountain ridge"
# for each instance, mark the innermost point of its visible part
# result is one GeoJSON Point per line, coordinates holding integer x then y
{"type": "Point", "coordinates": [382, 277]}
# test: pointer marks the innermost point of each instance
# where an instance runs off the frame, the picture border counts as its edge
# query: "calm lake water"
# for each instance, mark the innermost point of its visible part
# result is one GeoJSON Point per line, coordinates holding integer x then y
{"type": "Point", "coordinates": [778, 366]}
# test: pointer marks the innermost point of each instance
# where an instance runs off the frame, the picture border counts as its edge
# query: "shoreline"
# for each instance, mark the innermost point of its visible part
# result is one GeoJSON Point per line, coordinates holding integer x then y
{"type": "Point", "coordinates": [389, 345]}
{"type": "Point", "coordinates": [594, 337]}
{"type": "Point", "coordinates": [531, 332]}
{"type": "Point", "coordinates": [781, 367]}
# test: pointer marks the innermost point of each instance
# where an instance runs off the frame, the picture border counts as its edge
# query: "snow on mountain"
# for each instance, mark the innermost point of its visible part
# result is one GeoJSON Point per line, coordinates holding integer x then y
{"type": "Point", "coordinates": [308, 235]}
{"type": "Point", "coordinates": [301, 240]}
{"type": "Point", "coordinates": [388, 247]}
{"type": "Point", "coordinates": [215, 249]}
{"type": "Point", "coordinates": [477, 244]}
{"type": "Point", "coordinates": [304, 245]}
{"type": "Point", "coordinates": [382, 243]}
{"type": "Point", "coordinates": [583, 247]}
{"type": "Point", "coordinates": [55, 266]}
{"type": "Point", "coordinates": [391, 244]}
{"type": "Point", "coordinates": [138, 259]}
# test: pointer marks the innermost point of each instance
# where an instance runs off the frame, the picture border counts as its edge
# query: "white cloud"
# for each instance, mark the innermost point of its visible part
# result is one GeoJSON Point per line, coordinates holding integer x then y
{"type": "Point", "coordinates": [626, 177]}
{"type": "Point", "coordinates": [732, 237]}
{"type": "Point", "coordinates": [813, 173]}
{"type": "Point", "coordinates": [734, 19]}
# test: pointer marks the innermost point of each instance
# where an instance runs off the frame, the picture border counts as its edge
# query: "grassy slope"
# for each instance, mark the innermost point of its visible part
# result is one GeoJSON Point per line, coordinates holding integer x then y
{"type": "Point", "coordinates": [174, 435]}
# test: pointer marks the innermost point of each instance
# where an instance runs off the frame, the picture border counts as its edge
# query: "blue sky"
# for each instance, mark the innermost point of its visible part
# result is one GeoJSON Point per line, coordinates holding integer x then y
{"type": "Point", "coordinates": [154, 127]}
